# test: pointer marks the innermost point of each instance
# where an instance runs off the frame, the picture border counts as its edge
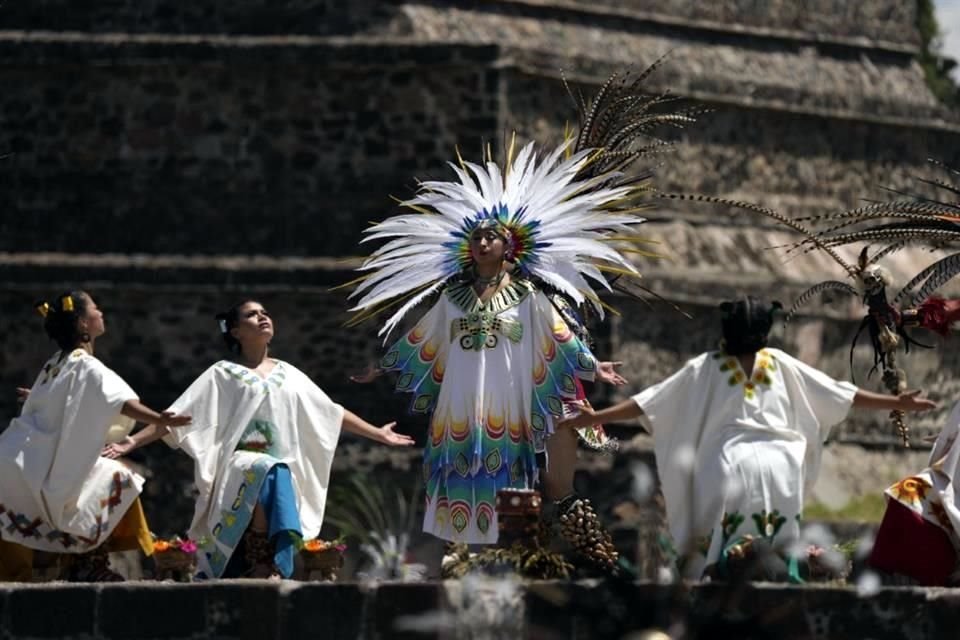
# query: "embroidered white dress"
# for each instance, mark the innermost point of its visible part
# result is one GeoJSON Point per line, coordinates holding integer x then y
{"type": "Point", "coordinates": [736, 454]}
{"type": "Point", "coordinates": [495, 376]}
{"type": "Point", "coordinates": [56, 492]}
{"type": "Point", "coordinates": [242, 426]}
{"type": "Point", "coordinates": [932, 493]}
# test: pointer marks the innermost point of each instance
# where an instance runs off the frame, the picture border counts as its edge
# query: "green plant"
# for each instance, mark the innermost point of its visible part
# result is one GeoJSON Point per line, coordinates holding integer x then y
{"type": "Point", "coordinates": [867, 508]}
{"type": "Point", "coordinates": [936, 66]}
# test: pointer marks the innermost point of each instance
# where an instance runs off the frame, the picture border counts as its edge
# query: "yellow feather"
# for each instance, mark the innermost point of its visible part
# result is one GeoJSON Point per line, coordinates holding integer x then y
{"type": "Point", "coordinates": [364, 315]}
{"type": "Point", "coordinates": [513, 142]}
{"type": "Point", "coordinates": [618, 270]}
{"type": "Point", "coordinates": [351, 283]}
{"type": "Point", "coordinates": [592, 296]}
{"type": "Point", "coordinates": [420, 209]}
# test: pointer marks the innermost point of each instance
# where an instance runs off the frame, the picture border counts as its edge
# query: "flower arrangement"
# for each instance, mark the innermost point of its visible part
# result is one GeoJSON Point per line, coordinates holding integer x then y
{"type": "Point", "coordinates": [175, 558]}
{"type": "Point", "coordinates": [322, 558]}
{"type": "Point", "coordinates": [317, 545]}
{"type": "Point", "coordinates": [176, 544]}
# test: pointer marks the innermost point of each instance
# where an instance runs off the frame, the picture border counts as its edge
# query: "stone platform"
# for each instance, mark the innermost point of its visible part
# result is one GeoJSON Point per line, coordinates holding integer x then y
{"type": "Point", "coordinates": [471, 609]}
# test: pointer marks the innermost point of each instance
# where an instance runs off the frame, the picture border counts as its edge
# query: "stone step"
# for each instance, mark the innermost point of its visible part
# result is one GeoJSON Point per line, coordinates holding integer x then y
{"type": "Point", "coordinates": [880, 24]}
{"type": "Point", "coordinates": [476, 608]}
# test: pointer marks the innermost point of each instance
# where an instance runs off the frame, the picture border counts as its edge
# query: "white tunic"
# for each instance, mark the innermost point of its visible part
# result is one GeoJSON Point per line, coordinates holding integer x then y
{"type": "Point", "coordinates": [736, 453]}
{"type": "Point", "coordinates": [242, 426]}
{"type": "Point", "coordinates": [56, 492]}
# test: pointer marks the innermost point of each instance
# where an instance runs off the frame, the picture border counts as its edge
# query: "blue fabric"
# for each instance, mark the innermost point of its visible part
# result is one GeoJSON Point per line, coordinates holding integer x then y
{"type": "Point", "coordinates": [279, 504]}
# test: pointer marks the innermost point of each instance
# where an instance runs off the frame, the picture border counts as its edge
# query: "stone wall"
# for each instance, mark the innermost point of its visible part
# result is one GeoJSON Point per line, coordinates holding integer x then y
{"type": "Point", "coordinates": [888, 22]}
{"type": "Point", "coordinates": [728, 66]}
{"type": "Point", "coordinates": [315, 17]}
{"type": "Point", "coordinates": [216, 150]}
{"type": "Point", "coordinates": [199, 152]}
{"type": "Point", "coordinates": [798, 164]}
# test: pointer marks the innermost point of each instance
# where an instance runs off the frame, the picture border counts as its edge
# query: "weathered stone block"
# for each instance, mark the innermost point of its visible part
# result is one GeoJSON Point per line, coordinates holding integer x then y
{"type": "Point", "coordinates": [52, 612]}
{"type": "Point", "coordinates": [336, 610]}
{"type": "Point", "coordinates": [397, 600]}
{"type": "Point", "coordinates": [142, 612]}
{"type": "Point", "coordinates": [243, 610]}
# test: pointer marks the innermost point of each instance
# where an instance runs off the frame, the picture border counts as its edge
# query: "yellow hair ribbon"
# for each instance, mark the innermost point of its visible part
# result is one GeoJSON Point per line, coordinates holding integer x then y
{"type": "Point", "coordinates": [42, 308]}
{"type": "Point", "coordinates": [66, 303]}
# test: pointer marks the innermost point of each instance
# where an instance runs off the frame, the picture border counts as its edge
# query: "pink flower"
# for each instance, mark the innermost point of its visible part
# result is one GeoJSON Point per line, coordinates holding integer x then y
{"type": "Point", "coordinates": [341, 548]}
{"type": "Point", "coordinates": [188, 546]}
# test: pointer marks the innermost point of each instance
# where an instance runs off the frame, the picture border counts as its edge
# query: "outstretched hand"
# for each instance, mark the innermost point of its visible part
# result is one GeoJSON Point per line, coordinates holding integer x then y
{"type": "Point", "coordinates": [913, 401]}
{"type": "Point", "coordinates": [578, 414]}
{"type": "Point", "coordinates": [118, 449]}
{"type": "Point", "coordinates": [170, 419]}
{"type": "Point", "coordinates": [607, 372]}
{"type": "Point", "coordinates": [390, 438]}
{"type": "Point", "coordinates": [22, 394]}
{"type": "Point", "coordinates": [369, 374]}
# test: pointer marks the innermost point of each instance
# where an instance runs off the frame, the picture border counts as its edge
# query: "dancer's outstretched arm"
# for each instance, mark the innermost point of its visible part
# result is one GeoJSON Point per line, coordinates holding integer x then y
{"type": "Point", "coordinates": [626, 410]}
{"type": "Point", "coordinates": [907, 401]}
{"type": "Point", "coordinates": [384, 435]}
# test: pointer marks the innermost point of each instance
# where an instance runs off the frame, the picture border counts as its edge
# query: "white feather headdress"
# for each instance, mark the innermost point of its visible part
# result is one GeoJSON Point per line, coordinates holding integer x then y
{"type": "Point", "coordinates": [560, 230]}
{"type": "Point", "coordinates": [567, 212]}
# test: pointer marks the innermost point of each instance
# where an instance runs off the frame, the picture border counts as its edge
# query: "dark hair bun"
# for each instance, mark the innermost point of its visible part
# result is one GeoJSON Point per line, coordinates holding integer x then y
{"type": "Point", "coordinates": [746, 324]}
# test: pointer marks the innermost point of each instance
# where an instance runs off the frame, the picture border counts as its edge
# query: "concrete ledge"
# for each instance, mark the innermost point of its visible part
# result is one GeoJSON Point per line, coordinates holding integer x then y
{"type": "Point", "coordinates": [470, 608]}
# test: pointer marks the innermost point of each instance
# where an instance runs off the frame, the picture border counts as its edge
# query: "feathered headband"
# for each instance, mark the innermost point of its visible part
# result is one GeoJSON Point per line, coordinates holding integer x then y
{"type": "Point", "coordinates": [559, 229]}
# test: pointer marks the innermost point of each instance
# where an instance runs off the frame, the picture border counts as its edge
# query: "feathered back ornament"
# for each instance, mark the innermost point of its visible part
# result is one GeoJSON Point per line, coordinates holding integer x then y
{"type": "Point", "coordinates": [559, 230]}
{"type": "Point", "coordinates": [567, 215]}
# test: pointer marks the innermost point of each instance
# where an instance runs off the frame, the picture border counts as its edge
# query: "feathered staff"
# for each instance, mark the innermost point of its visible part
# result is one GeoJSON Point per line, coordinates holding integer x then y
{"type": "Point", "coordinates": [894, 225]}
{"type": "Point", "coordinates": [622, 122]}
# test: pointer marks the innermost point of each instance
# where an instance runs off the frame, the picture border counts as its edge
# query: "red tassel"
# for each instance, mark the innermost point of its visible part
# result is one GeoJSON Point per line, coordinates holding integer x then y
{"type": "Point", "coordinates": [937, 314]}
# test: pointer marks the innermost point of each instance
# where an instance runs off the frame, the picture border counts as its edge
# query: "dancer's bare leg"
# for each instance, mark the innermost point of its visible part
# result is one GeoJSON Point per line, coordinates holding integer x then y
{"type": "Point", "coordinates": [561, 464]}
{"type": "Point", "coordinates": [259, 548]}
{"type": "Point", "coordinates": [584, 529]}
{"type": "Point", "coordinates": [259, 520]}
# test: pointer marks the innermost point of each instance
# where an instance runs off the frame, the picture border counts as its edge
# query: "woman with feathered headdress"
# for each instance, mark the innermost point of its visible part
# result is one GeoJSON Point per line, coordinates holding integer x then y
{"type": "Point", "coordinates": [511, 252]}
{"type": "Point", "coordinates": [493, 359]}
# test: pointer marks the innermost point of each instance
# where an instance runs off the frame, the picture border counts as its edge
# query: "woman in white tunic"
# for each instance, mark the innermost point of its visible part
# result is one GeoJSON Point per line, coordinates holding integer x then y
{"type": "Point", "coordinates": [262, 439]}
{"type": "Point", "coordinates": [56, 493]}
{"type": "Point", "coordinates": [738, 435]}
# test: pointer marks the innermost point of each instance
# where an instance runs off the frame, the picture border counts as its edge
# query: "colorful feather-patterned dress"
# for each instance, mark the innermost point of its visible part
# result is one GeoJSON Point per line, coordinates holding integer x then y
{"type": "Point", "coordinates": [494, 375]}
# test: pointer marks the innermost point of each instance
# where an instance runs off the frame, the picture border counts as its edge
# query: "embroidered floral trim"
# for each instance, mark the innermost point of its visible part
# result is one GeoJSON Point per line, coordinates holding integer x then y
{"type": "Point", "coordinates": [768, 524]}
{"type": "Point", "coordinates": [35, 527]}
{"type": "Point", "coordinates": [762, 368]}
{"type": "Point", "coordinates": [911, 490]}
{"type": "Point", "coordinates": [275, 378]}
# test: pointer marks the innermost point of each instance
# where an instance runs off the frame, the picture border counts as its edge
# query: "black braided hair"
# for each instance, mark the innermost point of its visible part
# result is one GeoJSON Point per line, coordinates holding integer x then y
{"type": "Point", "coordinates": [746, 324]}
{"type": "Point", "coordinates": [61, 319]}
